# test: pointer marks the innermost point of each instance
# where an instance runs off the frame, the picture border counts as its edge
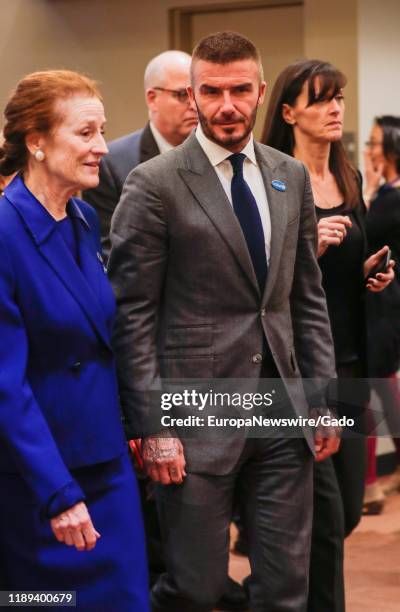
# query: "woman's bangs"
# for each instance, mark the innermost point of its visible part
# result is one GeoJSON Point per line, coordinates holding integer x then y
{"type": "Point", "coordinates": [331, 81]}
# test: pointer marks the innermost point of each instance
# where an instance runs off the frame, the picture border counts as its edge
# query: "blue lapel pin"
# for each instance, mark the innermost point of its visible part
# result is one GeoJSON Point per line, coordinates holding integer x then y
{"type": "Point", "coordinates": [279, 185]}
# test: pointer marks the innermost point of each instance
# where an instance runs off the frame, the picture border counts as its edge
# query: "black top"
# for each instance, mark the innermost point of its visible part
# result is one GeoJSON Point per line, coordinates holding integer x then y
{"type": "Point", "coordinates": [383, 309]}
{"type": "Point", "coordinates": [383, 227]}
{"type": "Point", "coordinates": [66, 228]}
{"type": "Point", "coordinates": [343, 282]}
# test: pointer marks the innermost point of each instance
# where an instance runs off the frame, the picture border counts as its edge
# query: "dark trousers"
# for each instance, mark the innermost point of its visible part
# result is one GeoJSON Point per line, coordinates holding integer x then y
{"type": "Point", "coordinates": [350, 465]}
{"type": "Point", "coordinates": [326, 565]}
{"type": "Point", "coordinates": [154, 544]}
{"type": "Point", "coordinates": [338, 496]}
{"type": "Point", "coordinates": [275, 476]}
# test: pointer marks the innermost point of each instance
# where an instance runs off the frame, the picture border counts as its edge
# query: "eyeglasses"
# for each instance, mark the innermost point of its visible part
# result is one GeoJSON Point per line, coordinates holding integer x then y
{"type": "Point", "coordinates": [373, 143]}
{"type": "Point", "coordinates": [179, 94]}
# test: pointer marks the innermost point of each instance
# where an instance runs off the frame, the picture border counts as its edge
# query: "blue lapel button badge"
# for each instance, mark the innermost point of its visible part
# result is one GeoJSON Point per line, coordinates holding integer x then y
{"type": "Point", "coordinates": [279, 185]}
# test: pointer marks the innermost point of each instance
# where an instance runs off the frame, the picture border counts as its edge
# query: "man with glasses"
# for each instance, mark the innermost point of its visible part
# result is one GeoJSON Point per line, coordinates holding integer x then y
{"type": "Point", "coordinates": [171, 119]}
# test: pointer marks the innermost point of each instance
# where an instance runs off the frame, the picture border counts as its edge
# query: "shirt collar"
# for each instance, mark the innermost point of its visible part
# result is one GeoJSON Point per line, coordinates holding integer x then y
{"type": "Point", "coordinates": [161, 142]}
{"type": "Point", "coordinates": [217, 154]}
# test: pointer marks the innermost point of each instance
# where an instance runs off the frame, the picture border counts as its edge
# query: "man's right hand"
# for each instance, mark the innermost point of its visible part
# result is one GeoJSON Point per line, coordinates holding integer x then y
{"type": "Point", "coordinates": [163, 459]}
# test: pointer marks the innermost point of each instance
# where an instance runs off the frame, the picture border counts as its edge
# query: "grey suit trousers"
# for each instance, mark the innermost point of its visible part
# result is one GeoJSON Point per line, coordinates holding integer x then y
{"type": "Point", "coordinates": [275, 478]}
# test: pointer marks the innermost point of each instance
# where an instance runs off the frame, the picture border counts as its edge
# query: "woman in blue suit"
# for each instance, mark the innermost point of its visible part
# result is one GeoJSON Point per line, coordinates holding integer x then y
{"type": "Point", "coordinates": [67, 487]}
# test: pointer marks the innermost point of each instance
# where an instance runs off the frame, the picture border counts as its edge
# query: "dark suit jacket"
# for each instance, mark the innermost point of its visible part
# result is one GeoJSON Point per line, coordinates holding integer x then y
{"type": "Point", "coordinates": [58, 392]}
{"type": "Point", "coordinates": [125, 153]}
{"type": "Point", "coordinates": [189, 301]}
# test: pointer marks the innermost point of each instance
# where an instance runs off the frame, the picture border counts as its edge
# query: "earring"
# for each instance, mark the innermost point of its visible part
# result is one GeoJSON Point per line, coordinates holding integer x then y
{"type": "Point", "coordinates": [39, 155]}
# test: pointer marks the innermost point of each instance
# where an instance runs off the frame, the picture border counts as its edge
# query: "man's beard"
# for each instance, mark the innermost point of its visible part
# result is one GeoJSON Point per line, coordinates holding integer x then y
{"type": "Point", "coordinates": [228, 140]}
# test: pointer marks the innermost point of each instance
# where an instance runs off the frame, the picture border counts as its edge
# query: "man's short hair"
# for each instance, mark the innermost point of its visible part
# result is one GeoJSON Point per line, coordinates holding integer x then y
{"type": "Point", "coordinates": [224, 48]}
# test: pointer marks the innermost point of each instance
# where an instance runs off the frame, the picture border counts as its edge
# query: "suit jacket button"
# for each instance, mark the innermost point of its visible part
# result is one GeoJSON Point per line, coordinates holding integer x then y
{"type": "Point", "coordinates": [76, 366]}
{"type": "Point", "coordinates": [264, 312]}
{"type": "Point", "coordinates": [257, 358]}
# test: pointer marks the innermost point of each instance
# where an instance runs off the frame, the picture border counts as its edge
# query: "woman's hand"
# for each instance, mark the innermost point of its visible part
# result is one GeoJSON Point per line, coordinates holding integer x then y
{"type": "Point", "coordinates": [331, 231]}
{"type": "Point", "coordinates": [74, 527]}
{"type": "Point", "coordinates": [373, 177]}
{"type": "Point", "coordinates": [382, 279]}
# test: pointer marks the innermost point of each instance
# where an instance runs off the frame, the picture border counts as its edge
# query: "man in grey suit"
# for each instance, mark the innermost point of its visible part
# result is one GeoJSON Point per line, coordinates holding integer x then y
{"type": "Point", "coordinates": [171, 119]}
{"type": "Point", "coordinates": [214, 267]}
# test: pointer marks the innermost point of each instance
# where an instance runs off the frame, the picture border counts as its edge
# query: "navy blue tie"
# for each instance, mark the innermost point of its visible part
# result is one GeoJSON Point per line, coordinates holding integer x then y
{"type": "Point", "coordinates": [246, 209]}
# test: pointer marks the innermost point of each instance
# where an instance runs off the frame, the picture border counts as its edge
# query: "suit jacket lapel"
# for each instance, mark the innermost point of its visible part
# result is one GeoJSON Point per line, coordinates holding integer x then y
{"type": "Point", "coordinates": [204, 184]}
{"type": "Point", "coordinates": [148, 145]}
{"type": "Point", "coordinates": [82, 283]}
{"type": "Point", "coordinates": [278, 206]}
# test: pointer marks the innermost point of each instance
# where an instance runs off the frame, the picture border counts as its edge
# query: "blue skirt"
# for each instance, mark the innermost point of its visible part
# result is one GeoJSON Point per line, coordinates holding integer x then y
{"type": "Point", "coordinates": [110, 578]}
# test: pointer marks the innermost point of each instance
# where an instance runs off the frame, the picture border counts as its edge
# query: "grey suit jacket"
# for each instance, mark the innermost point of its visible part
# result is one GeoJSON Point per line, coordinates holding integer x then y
{"type": "Point", "coordinates": [124, 154]}
{"type": "Point", "coordinates": [189, 305]}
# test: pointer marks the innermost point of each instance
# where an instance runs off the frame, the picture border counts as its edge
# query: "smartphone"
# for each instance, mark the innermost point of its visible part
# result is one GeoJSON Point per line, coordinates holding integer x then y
{"type": "Point", "coordinates": [382, 265]}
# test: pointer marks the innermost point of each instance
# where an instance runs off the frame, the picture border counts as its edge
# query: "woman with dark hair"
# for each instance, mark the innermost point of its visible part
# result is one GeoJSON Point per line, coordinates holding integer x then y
{"type": "Point", "coordinates": [68, 488]}
{"type": "Point", "coordinates": [305, 119]}
{"type": "Point", "coordinates": [382, 163]}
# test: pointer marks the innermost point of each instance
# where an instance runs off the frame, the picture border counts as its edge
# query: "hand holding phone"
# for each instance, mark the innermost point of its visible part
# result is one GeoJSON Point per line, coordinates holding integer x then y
{"type": "Point", "coordinates": [382, 265]}
{"type": "Point", "coordinates": [378, 270]}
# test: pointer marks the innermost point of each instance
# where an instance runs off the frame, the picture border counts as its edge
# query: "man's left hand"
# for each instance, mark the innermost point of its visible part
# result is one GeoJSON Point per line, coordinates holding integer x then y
{"type": "Point", "coordinates": [325, 447]}
{"type": "Point", "coordinates": [327, 436]}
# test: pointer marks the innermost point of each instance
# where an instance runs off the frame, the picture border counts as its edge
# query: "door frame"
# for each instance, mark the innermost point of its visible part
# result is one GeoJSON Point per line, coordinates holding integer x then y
{"type": "Point", "coordinates": [180, 18]}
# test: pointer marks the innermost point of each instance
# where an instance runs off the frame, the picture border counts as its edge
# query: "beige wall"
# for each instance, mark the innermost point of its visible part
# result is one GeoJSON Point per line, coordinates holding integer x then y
{"type": "Point", "coordinates": [378, 60]}
{"type": "Point", "coordinates": [330, 33]}
{"type": "Point", "coordinates": [113, 39]}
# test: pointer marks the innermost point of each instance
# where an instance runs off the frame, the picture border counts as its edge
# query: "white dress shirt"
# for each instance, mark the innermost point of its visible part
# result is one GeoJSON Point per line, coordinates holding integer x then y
{"type": "Point", "coordinates": [218, 158]}
{"type": "Point", "coordinates": [162, 144]}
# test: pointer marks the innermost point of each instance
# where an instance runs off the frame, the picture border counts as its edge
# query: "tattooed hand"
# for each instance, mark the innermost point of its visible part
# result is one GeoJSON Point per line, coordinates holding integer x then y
{"type": "Point", "coordinates": [164, 459]}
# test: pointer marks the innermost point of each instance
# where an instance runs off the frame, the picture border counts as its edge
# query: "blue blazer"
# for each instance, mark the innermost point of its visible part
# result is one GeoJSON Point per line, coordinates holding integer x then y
{"type": "Point", "coordinates": [58, 393]}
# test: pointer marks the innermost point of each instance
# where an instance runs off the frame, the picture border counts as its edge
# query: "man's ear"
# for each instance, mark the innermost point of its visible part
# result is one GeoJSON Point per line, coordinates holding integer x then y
{"type": "Point", "coordinates": [34, 142]}
{"type": "Point", "coordinates": [192, 101]}
{"type": "Point", "coordinates": [261, 93]}
{"type": "Point", "coordinates": [288, 114]}
{"type": "Point", "coordinates": [151, 96]}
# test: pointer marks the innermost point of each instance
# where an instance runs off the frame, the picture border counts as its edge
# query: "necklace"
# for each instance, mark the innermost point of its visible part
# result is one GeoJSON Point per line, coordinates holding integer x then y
{"type": "Point", "coordinates": [323, 202]}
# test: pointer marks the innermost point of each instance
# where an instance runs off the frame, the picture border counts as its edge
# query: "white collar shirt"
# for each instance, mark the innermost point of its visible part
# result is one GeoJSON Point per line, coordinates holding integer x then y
{"type": "Point", "coordinates": [161, 142]}
{"type": "Point", "coordinates": [218, 158]}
